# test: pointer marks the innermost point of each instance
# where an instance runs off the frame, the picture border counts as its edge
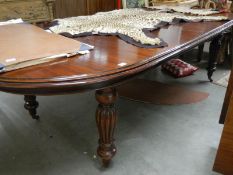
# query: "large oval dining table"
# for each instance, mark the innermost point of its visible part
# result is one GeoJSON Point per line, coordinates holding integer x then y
{"type": "Point", "coordinates": [112, 62]}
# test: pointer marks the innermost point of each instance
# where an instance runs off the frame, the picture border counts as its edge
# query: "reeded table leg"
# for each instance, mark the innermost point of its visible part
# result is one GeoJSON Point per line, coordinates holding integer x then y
{"type": "Point", "coordinates": [106, 121]}
{"type": "Point", "coordinates": [31, 104]}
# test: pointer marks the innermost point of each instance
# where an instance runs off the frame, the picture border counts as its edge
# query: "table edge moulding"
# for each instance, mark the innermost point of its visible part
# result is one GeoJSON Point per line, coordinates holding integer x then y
{"type": "Point", "coordinates": [105, 81]}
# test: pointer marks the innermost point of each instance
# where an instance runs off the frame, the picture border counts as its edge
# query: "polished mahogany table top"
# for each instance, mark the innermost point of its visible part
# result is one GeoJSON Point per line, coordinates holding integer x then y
{"type": "Point", "coordinates": [112, 61]}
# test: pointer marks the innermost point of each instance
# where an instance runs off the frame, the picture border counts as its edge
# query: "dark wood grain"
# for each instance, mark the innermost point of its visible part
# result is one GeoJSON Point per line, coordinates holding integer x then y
{"type": "Point", "coordinates": [94, 6]}
{"type": "Point", "coordinates": [224, 159]}
{"type": "Point", "coordinates": [229, 87]}
{"type": "Point", "coordinates": [227, 100]}
{"type": "Point", "coordinates": [101, 67]}
{"type": "Point", "coordinates": [68, 8]}
{"type": "Point", "coordinates": [107, 5]}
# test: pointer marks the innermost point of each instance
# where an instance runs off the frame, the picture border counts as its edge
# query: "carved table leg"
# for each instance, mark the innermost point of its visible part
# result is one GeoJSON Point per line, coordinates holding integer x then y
{"type": "Point", "coordinates": [31, 104]}
{"type": "Point", "coordinates": [106, 121]}
{"type": "Point", "coordinates": [213, 55]}
{"type": "Point", "coordinates": [200, 52]}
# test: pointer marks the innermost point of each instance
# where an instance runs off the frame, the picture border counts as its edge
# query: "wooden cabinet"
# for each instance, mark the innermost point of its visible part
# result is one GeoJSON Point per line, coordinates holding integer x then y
{"type": "Point", "coordinates": [224, 159]}
{"type": "Point", "coordinates": [28, 10]}
{"type": "Point", "coordinates": [67, 8]}
{"type": "Point", "coordinates": [42, 10]}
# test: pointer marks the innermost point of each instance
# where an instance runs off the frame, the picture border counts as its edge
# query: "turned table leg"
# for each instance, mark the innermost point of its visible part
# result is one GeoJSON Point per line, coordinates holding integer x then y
{"type": "Point", "coordinates": [31, 105]}
{"type": "Point", "coordinates": [200, 52]}
{"type": "Point", "coordinates": [106, 121]}
{"type": "Point", "coordinates": [218, 51]}
{"type": "Point", "coordinates": [213, 55]}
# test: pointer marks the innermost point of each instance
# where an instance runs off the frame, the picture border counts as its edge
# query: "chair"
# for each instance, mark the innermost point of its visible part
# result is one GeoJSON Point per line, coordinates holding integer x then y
{"type": "Point", "coordinates": [134, 3]}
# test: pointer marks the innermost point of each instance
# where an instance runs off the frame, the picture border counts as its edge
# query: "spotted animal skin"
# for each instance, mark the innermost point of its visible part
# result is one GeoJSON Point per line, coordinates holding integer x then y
{"type": "Point", "coordinates": [127, 22]}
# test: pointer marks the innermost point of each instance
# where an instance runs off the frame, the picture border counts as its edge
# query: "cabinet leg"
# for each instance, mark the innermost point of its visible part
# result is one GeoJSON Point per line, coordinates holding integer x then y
{"type": "Point", "coordinates": [31, 105]}
{"type": "Point", "coordinates": [106, 118]}
{"type": "Point", "coordinates": [231, 46]}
